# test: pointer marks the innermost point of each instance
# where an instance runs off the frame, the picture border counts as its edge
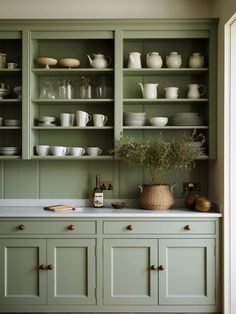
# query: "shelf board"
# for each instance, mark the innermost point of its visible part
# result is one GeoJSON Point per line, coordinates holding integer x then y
{"type": "Point", "coordinates": [8, 71]}
{"type": "Point", "coordinates": [168, 127]}
{"type": "Point", "coordinates": [71, 72]}
{"type": "Point", "coordinates": [10, 100]}
{"type": "Point", "coordinates": [73, 101]}
{"type": "Point", "coordinates": [163, 100]}
{"type": "Point", "coordinates": [101, 157]}
{"type": "Point", "coordinates": [72, 128]}
{"type": "Point", "coordinates": [10, 127]}
{"type": "Point", "coordinates": [10, 157]}
{"type": "Point", "coordinates": [163, 71]}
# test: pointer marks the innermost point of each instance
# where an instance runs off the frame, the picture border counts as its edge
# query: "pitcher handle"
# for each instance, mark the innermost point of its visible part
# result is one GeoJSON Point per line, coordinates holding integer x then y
{"type": "Point", "coordinates": [141, 188]}
{"type": "Point", "coordinates": [172, 186]}
{"type": "Point", "coordinates": [109, 60]}
{"type": "Point", "coordinates": [203, 87]}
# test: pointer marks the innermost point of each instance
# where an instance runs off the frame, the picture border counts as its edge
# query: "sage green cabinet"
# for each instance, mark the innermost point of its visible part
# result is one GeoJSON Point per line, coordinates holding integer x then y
{"type": "Point", "coordinates": [127, 276]}
{"type": "Point", "coordinates": [54, 271]}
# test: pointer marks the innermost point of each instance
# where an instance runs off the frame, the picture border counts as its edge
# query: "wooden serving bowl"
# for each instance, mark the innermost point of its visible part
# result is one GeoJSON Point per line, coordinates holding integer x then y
{"type": "Point", "coordinates": [118, 205]}
{"type": "Point", "coordinates": [69, 62]}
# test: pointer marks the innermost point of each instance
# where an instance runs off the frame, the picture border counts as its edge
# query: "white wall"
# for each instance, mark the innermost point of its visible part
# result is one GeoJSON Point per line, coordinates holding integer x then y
{"type": "Point", "coordinates": [105, 8]}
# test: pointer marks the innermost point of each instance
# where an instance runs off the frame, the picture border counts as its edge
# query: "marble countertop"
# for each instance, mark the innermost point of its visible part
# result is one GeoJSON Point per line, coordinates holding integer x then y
{"type": "Point", "coordinates": [106, 212]}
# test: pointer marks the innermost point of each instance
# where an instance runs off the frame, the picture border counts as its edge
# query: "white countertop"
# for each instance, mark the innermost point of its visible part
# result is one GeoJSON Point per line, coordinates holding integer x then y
{"type": "Point", "coordinates": [106, 212]}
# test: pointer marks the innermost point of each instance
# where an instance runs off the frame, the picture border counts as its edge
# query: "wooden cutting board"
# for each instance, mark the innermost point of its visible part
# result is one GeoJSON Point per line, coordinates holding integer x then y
{"type": "Point", "coordinates": [60, 207]}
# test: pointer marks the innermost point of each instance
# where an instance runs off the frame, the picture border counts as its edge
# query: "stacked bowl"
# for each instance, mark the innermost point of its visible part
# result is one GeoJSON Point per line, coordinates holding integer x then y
{"type": "Point", "coordinates": [134, 118]}
{"type": "Point", "coordinates": [187, 118]}
{"type": "Point", "coordinates": [9, 151]}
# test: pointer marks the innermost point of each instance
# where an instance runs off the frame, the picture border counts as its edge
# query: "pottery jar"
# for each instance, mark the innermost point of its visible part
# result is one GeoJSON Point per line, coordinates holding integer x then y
{"type": "Point", "coordinates": [196, 60]}
{"type": "Point", "coordinates": [154, 60]}
{"type": "Point", "coordinates": [173, 60]}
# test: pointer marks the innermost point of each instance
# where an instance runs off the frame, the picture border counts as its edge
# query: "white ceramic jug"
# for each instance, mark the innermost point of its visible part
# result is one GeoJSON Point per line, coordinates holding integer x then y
{"type": "Point", "coordinates": [134, 61]}
{"type": "Point", "coordinates": [154, 60]}
{"type": "Point", "coordinates": [173, 60]}
{"type": "Point", "coordinates": [171, 92]}
{"type": "Point", "coordinates": [196, 60]}
{"type": "Point", "coordinates": [196, 90]}
{"type": "Point", "coordinates": [99, 61]}
{"type": "Point", "coordinates": [149, 90]}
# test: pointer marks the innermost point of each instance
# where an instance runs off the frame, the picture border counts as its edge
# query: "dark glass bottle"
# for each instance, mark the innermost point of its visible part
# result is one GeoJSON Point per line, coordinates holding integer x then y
{"type": "Point", "coordinates": [97, 194]}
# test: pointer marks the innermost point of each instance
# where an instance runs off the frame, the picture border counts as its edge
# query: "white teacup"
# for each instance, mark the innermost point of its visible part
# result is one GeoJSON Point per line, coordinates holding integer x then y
{"type": "Point", "coordinates": [42, 150]}
{"type": "Point", "coordinates": [171, 92]}
{"type": "Point", "coordinates": [82, 118]}
{"type": "Point", "coordinates": [67, 119]}
{"type": "Point", "coordinates": [99, 119]}
{"type": "Point", "coordinates": [77, 151]}
{"type": "Point", "coordinates": [11, 65]}
{"type": "Point", "coordinates": [59, 150]}
{"type": "Point", "coordinates": [94, 151]}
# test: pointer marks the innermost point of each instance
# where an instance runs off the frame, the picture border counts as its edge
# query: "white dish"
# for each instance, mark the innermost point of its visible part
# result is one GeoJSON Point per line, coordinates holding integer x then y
{"type": "Point", "coordinates": [46, 119]}
{"type": "Point", "coordinates": [12, 122]}
{"type": "Point", "coordinates": [158, 121]}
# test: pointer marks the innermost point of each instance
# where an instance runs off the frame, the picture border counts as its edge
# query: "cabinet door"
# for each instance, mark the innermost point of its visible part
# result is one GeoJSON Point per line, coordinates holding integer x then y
{"type": "Point", "coordinates": [71, 271]}
{"type": "Point", "coordinates": [128, 279]}
{"type": "Point", "coordinates": [188, 277]}
{"type": "Point", "coordinates": [21, 281]}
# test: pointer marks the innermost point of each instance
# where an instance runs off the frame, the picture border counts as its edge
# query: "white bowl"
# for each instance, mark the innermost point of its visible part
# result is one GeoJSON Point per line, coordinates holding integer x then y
{"type": "Point", "coordinates": [158, 121]}
{"type": "Point", "coordinates": [11, 122]}
{"type": "Point", "coordinates": [3, 92]}
{"type": "Point", "coordinates": [47, 62]}
{"type": "Point", "coordinates": [69, 62]}
{"type": "Point", "coordinates": [46, 119]}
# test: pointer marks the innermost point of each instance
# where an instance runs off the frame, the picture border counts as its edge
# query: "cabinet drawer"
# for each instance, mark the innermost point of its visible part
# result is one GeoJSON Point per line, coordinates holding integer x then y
{"type": "Point", "coordinates": [159, 227]}
{"type": "Point", "coordinates": [48, 227]}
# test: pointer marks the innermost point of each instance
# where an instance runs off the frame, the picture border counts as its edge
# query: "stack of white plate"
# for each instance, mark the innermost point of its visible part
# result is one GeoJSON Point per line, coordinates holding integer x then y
{"type": "Point", "coordinates": [187, 118]}
{"type": "Point", "coordinates": [12, 122]}
{"type": "Point", "coordinates": [9, 150]}
{"type": "Point", "coordinates": [134, 118]}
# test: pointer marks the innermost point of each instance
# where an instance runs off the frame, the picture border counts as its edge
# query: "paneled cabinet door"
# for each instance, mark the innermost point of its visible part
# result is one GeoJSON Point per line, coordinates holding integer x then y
{"type": "Point", "coordinates": [71, 271]}
{"type": "Point", "coordinates": [188, 276]}
{"type": "Point", "coordinates": [130, 276]}
{"type": "Point", "coordinates": [21, 281]}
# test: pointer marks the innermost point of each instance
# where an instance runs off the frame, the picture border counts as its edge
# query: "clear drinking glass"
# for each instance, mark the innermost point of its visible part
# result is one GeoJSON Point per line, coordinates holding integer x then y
{"type": "Point", "coordinates": [47, 91]}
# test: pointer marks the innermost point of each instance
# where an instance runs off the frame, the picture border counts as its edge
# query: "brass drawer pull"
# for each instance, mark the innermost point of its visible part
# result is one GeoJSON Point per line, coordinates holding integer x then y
{"type": "Point", "coordinates": [21, 227]}
{"type": "Point", "coordinates": [161, 268]}
{"type": "Point", "coordinates": [71, 227]}
{"type": "Point", "coordinates": [49, 267]}
{"type": "Point", "coordinates": [42, 267]}
{"type": "Point", "coordinates": [188, 227]}
{"type": "Point", "coordinates": [129, 227]}
{"type": "Point", "coordinates": [153, 267]}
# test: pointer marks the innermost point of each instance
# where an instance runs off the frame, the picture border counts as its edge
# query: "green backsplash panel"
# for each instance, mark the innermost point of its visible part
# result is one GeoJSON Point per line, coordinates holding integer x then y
{"type": "Point", "coordinates": [20, 179]}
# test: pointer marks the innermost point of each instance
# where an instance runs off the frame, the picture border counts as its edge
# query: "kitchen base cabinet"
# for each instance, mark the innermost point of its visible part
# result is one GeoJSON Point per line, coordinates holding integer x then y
{"type": "Point", "coordinates": [161, 265]}
{"type": "Point", "coordinates": [65, 269]}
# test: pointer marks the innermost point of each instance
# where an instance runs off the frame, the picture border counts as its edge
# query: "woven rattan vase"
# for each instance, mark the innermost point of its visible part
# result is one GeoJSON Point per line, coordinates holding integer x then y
{"type": "Point", "coordinates": [156, 196]}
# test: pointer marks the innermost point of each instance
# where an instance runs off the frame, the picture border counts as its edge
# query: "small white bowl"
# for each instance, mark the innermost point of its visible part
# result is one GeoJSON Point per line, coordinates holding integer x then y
{"type": "Point", "coordinates": [46, 119]}
{"type": "Point", "coordinates": [158, 121]}
{"type": "Point", "coordinates": [69, 62]}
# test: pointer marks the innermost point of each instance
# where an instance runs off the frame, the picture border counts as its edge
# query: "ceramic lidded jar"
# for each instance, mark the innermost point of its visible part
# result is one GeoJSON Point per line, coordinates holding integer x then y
{"type": "Point", "coordinates": [173, 60]}
{"type": "Point", "coordinates": [196, 60]}
{"type": "Point", "coordinates": [154, 60]}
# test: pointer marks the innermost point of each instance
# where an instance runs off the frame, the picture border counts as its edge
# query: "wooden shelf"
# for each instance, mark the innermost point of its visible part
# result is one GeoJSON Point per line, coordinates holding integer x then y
{"type": "Point", "coordinates": [163, 100]}
{"type": "Point", "coordinates": [72, 128]}
{"type": "Point", "coordinates": [168, 127]}
{"type": "Point", "coordinates": [10, 100]}
{"type": "Point", "coordinates": [163, 71]}
{"type": "Point", "coordinates": [73, 101]}
{"type": "Point", "coordinates": [101, 157]}
{"type": "Point", "coordinates": [10, 127]}
{"type": "Point", "coordinates": [8, 71]}
{"type": "Point", "coordinates": [71, 72]}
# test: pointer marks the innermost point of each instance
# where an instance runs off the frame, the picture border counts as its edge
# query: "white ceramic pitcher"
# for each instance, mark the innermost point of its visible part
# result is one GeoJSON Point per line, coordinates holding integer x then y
{"type": "Point", "coordinates": [134, 61]}
{"type": "Point", "coordinates": [196, 91]}
{"type": "Point", "coordinates": [149, 90]}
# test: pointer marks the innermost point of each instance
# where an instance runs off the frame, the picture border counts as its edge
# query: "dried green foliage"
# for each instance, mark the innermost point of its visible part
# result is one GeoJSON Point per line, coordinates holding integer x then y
{"type": "Point", "coordinates": [157, 156]}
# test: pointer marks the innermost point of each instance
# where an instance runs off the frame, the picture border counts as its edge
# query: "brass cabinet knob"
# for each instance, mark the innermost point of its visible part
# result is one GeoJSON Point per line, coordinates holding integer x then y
{"type": "Point", "coordinates": [49, 267]}
{"type": "Point", "coordinates": [188, 227]}
{"type": "Point", "coordinates": [21, 227]}
{"type": "Point", "coordinates": [42, 267]}
{"type": "Point", "coordinates": [153, 267]}
{"type": "Point", "coordinates": [161, 268]}
{"type": "Point", "coordinates": [130, 227]}
{"type": "Point", "coordinates": [71, 227]}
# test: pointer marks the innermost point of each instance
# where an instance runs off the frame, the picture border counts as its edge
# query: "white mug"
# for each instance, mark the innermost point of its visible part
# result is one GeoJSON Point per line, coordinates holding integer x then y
{"type": "Point", "coordinates": [171, 92]}
{"type": "Point", "coordinates": [99, 119]}
{"type": "Point", "coordinates": [11, 65]}
{"type": "Point", "coordinates": [59, 150]}
{"type": "Point", "coordinates": [42, 150]}
{"type": "Point", "coordinates": [67, 119]}
{"type": "Point", "coordinates": [77, 151]}
{"type": "Point", "coordinates": [82, 118]}
{"type": "Point", "coordinates": [94, 151]}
